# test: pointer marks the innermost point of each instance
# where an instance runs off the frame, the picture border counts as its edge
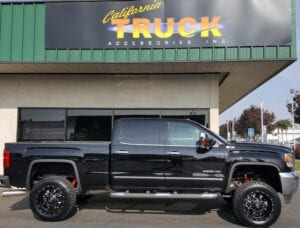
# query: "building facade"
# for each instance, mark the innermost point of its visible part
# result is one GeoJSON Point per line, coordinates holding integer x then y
{"type": "Point", "coordinates": [68, 76]}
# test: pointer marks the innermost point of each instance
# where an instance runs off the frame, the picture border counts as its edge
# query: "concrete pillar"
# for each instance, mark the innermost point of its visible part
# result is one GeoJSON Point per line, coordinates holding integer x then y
{"type": "Point", "coordinates": [214, 105]}
{"type": "Point", "coordinates": [8, 126]}
{"type": "Point", "coordinates": [214, 120]}
{"type": "Point", "coordinates": [8, 112]}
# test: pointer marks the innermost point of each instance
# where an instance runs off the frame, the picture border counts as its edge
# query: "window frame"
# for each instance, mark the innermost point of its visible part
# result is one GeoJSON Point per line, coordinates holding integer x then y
{"type": "Point", "coordinates": [191, 123]}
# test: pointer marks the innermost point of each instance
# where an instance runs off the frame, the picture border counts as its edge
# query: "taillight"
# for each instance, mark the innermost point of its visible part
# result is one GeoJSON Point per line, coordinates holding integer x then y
{"type": "Point", "coordinates": [6, 159]}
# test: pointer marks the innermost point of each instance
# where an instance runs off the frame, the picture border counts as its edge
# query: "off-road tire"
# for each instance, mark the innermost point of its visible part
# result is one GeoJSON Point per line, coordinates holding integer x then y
{"type": "Point", "coordinates": [256, 204]}
{"type": "Point", "coordinates": [52, 199]}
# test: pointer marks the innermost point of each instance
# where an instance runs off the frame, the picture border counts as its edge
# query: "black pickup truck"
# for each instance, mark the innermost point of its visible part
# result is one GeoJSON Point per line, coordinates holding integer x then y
{"type": "Point", "coordinates": [154, 158]}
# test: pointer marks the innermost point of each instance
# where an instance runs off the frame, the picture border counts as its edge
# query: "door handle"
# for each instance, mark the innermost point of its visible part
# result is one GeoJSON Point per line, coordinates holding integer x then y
{"type": "Point", "coordinates": [121, 152]}
{"type": "Point", "coordinates": [173, 153]}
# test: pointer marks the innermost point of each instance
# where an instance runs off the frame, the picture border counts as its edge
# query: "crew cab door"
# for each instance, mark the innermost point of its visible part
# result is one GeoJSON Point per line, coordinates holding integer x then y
{"type": "Point", "coordinates": [137, 155]}
{"type": "Point", "coordinates": [190, 165]}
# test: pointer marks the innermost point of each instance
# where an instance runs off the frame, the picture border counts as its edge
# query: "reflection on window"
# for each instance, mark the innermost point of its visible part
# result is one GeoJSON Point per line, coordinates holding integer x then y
{"type": "Point", "coordinates": [58, 124]}
{"type": "Point", "coordinates": [89, 125]}
{"type": "Point", "coordinates": [140, 132]}
{"type": "Point", "coordinates": [183, 134]}
{"type": "Point", "coordinates": [89, 128]}
{"type": "Point", "coordinates": [42, 124]}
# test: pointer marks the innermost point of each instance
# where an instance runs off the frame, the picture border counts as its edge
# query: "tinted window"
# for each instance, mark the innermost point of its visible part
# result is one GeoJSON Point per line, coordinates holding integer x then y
{"type": "Point", "coordinates": [89, 125]}
{"type": "Point", "coordinates": [42, 124]}
{"type": "Point", "coordinates": [139, 132]}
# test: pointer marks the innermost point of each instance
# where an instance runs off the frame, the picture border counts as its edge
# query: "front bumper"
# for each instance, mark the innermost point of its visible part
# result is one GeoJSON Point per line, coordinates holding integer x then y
{"type": "Point", "coordinates": [289, 185]}
{"type": "Point", "coordinates": [4, 182]}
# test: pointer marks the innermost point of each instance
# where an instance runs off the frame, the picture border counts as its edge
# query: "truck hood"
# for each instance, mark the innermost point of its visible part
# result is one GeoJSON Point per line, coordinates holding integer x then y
{"type": "Point", "coordinates": [261, 147]}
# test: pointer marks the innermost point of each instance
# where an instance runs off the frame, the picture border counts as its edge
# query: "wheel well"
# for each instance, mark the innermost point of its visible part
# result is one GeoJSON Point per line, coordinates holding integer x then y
{"type": "Point", "coordinates": [267, 174]}
{"type": "Point", "coordinates": [42, 170]}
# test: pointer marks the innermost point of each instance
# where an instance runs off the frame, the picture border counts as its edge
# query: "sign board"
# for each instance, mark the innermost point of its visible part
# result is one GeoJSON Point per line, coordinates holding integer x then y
{"type": "Point", "coordinates": [251, 132]}
{"type": "Point", "coordinates": [167, 24]}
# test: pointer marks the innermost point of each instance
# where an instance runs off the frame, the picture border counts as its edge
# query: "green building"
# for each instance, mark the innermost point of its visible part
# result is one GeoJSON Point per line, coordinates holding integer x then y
{"type": "Point", "coordinates": [66, 70]}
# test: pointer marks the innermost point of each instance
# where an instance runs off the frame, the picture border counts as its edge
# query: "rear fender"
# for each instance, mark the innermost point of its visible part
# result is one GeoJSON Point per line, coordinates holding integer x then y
{"type": "Point", "coordinates": [60, 161]}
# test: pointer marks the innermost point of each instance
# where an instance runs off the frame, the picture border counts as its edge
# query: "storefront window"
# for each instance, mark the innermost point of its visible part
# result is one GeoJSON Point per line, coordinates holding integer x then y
{"type": "Point", "coordinates": [89, 125]}
{"type": "Point", "coordinates": [62, 124]}
{"type": "Point", "coordinates": [42, 124]}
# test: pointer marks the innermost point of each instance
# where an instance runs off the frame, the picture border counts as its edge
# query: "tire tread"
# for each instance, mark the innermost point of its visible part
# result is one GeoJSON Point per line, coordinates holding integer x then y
{"type": "Point", "coordinates": [71, 191]}
{"type": "Point", "coordinates": [237, 200]}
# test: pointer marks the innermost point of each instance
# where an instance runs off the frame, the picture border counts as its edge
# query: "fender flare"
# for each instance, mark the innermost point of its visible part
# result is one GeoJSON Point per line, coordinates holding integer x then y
{"type": "Point", "coordinates": [38, 161]}
{"type": "Point", "coordinates": [235, 165]}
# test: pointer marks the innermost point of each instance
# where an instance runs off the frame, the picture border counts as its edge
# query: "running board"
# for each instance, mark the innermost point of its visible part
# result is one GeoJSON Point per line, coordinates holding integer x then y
{"type": "Point", "coordinates": [13, 193]}
{"type": "Point", "coordinates": [163, 195]}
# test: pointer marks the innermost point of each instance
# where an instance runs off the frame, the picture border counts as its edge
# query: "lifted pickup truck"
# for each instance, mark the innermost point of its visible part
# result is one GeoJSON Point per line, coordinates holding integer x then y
{"type": "Point", "coordinates": [154, 158]}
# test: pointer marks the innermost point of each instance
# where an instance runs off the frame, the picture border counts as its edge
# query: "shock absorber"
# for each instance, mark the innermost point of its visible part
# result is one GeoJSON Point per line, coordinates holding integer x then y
{"type": "Point", "coordinates": [74, 183]}
{"type": "Point", "coordinates": [246, 179]}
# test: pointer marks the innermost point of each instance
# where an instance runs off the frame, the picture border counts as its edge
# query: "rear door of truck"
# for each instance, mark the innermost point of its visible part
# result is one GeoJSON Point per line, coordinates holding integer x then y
{"type": "Point", "coordinates": [137, 155]}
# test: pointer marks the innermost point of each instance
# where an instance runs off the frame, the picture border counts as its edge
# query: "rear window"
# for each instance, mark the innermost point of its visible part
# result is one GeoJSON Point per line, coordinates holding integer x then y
{"type": "Point", "coordinates": [139, 132]}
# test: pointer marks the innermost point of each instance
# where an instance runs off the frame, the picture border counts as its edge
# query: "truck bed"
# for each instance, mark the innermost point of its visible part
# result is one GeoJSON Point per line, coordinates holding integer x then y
{"type": "Point", "coordinates": [91, 159]}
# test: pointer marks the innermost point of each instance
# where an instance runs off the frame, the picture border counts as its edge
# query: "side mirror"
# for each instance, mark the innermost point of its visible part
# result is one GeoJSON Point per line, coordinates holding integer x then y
{"type": "Point", "coordinates": [206, 143]}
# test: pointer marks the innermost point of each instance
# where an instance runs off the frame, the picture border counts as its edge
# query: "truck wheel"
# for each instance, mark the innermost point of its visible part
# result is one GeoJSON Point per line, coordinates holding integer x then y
{"type": "Point", "coordinates": [256, 204]}
{"type": "Point", "coordinates": [52, 199]}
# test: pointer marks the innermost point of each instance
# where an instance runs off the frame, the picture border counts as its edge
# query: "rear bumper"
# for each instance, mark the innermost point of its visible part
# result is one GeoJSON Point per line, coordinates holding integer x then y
{"type": "Point", "coordinates": [289, 185]}
{"type": "Point", "coordinates": [4, 182]}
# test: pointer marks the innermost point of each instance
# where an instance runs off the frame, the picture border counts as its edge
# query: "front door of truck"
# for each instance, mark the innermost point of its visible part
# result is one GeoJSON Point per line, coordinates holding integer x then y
{"type": "Point", "coordinates": [137, 157]}
{"type": "Point", "coordinates": [194, 158]}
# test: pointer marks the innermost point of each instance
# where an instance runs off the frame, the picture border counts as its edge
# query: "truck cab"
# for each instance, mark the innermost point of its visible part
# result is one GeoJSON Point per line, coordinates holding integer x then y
{"type": "Point", "coordinates": [166, 154]}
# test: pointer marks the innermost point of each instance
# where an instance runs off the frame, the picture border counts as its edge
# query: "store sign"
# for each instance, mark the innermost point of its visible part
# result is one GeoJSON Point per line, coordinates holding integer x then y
{"type": "Point", "coordinates": [167, 24]}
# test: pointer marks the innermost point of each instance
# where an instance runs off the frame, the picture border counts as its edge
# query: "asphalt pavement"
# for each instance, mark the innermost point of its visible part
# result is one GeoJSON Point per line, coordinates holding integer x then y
{"type": "Point", "coordinates": [101, 211]}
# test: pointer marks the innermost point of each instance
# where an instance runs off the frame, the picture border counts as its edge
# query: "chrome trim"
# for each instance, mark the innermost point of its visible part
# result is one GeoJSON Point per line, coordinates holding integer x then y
{"type": "Point", "coordinates": [289, 185]}
{"type": "Point", "coordinates": [139, 177]}
{"type": "Point", "coordinates": [135, 144]}
{"type": "Point", "coordinates": [94, 192]}
{"type": "Point", "coordinates": [13, 193]}
{"type": "Point", "coordinates": [195, 178]}
{"type": "Point", "coordinates": [120, 152]}
{"type": "Point", "coordinates": [169, 178]}
{"type": "Point", "coordinates": [163, 195]}
{"type": "Point", "coordinates": [173, 153]}
{"type": "Point", "coordinates": [96, 172]}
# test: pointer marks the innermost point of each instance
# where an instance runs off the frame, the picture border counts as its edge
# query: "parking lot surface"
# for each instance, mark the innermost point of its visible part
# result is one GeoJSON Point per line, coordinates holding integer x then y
{"type": "Point", "coordinates": [101, 211]}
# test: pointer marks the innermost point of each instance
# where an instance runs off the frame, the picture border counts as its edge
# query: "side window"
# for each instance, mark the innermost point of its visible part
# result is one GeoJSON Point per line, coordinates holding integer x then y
{"type": "Point", "coordinates": [184, 134]}
{"type": "Point", "coordinates": [139, 132]}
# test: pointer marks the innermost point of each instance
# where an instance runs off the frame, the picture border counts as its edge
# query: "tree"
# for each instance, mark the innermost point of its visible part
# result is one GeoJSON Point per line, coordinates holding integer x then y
{"type": "Point", "coordinates": [223, 129]}
{"type": "Point", "coordinates": [283, 125]}
{"type": "Point", "coordinates": [250, 118]}
{"type": "Point", "coordinates": [296, 107]}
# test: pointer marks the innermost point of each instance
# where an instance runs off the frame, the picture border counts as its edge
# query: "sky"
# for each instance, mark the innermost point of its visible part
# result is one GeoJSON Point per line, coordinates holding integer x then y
{"type": "Point", "coordinates": [275, 93]}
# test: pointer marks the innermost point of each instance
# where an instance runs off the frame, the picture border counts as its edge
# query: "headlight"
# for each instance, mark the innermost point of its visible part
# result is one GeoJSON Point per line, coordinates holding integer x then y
{"type": "Point", "coordinates": [289, 160]}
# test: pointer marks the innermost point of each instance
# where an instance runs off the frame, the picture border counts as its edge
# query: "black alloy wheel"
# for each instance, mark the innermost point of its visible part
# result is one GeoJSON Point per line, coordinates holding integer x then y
{"type": "Point", "coordinates": [52, 199]}
{"type": "Point", "coordinates": [256, 204]}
